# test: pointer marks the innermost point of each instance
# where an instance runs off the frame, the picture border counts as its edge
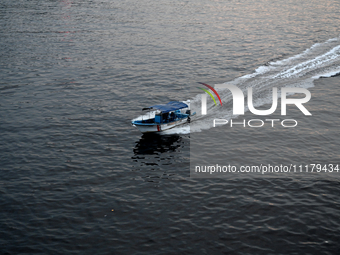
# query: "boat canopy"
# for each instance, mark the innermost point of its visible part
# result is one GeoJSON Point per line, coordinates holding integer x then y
{"type": "Point", "coordinates": [164, 108]}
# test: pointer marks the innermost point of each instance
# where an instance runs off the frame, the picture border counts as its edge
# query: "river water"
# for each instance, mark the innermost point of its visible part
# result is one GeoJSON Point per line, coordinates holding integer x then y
{"type": "Point", "coordinates": [76, 177]}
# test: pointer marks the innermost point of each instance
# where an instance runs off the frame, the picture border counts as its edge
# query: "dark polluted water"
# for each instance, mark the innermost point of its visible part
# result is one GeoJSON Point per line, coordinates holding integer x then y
{"type": "Point", "coordinates": [76, 177]}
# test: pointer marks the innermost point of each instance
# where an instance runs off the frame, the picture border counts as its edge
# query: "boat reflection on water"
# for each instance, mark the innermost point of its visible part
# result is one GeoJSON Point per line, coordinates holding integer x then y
{"type": "Point", "coordinates": [158, 157]}
{"type": "Point", "coordinates": [155, 144]}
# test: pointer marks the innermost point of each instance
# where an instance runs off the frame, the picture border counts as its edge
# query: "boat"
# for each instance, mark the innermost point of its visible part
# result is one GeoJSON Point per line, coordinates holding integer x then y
{"type": "Point", "coordinates": [163, 117]}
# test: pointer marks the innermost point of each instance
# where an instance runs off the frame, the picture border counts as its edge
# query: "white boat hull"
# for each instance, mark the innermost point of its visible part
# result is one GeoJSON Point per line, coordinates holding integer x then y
{"type": "Point", "coordinates": [153, 127]}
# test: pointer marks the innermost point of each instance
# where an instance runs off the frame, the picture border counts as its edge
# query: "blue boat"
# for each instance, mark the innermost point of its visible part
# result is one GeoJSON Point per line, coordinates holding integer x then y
{"type": "Point", "coordinates": [164, 117]}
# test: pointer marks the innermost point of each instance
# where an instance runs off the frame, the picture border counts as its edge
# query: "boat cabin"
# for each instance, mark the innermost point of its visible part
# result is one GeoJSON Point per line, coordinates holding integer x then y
{"type": "Point", "coordinates": [165, 116]}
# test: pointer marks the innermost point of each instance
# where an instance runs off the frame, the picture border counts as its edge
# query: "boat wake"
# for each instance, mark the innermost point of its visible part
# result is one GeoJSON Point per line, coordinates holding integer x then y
{"type": "Point", "coordinates": [320, 60]}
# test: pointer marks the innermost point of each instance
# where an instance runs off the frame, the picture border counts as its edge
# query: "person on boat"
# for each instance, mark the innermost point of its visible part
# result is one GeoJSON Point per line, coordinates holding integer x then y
{"type": "Point", "coordinates": [165, 117]}
{"type": "Point", "coordinates": [172, 116]}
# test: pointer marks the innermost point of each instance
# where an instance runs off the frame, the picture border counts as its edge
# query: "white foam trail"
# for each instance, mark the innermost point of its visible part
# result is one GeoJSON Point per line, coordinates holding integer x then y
{"type": "Point", "coordinates": [310, 64]}
{"type": "Point", "coordinates": [320, 60]}
{"type": "Point", "coordinates": [328, 74]}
